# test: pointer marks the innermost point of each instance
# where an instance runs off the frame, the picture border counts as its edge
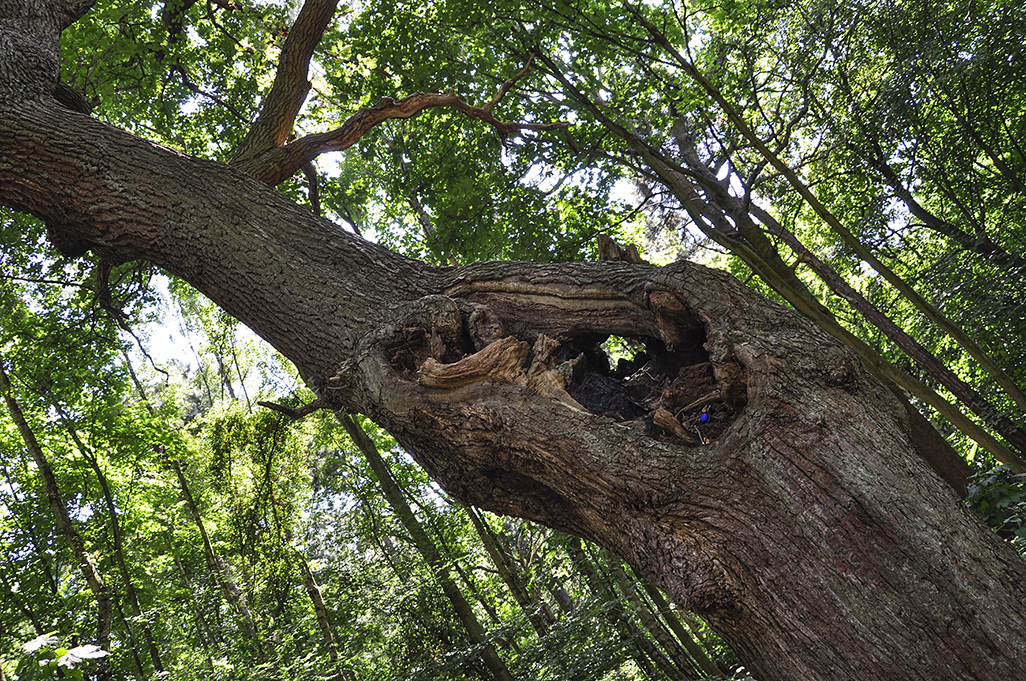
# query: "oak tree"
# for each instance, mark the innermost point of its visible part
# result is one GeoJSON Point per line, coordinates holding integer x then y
{"type": "Point", "coordinates": [743, 461]}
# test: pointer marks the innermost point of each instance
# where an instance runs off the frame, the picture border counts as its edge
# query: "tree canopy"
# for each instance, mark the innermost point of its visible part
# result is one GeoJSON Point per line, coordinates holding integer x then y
{"type": "Point", "coordinates": [363, 187]}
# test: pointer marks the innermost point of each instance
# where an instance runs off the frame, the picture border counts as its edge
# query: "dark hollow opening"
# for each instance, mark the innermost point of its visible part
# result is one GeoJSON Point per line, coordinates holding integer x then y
{"type": "Point", "coordinates": [644, 380]}
{"type": "Point", "coordinates": [676, 392]}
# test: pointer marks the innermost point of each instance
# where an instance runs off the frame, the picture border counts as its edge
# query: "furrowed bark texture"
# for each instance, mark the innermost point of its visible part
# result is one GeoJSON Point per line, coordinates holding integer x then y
{"type": "Point", "coordinates": [743, 461]}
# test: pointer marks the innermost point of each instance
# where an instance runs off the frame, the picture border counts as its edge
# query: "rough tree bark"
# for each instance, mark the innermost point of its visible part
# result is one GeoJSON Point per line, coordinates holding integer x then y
{"type": "Point", "coordinates": [797, 519]}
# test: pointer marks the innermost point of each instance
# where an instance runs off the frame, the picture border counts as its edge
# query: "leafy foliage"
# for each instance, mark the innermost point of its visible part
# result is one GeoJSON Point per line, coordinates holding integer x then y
{"type": "Point", "coordinates": [44, 658]}
{"type": "Point", "coordinates": [998, 496]}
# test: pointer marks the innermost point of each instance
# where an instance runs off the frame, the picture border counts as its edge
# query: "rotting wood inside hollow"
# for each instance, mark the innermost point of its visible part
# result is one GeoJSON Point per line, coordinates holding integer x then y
{"type": "Point", "coordinates": [675, 391]}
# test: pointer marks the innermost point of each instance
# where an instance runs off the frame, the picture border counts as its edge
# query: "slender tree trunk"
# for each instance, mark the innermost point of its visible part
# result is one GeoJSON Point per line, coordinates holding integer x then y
{"type": "Point", "coordinates": [696, 651]}
{"type": "Point", "coordinates": [687, 668]}
{"type": "Point", "coordinates": [524, 561]}
{"type": "Point", "coordinates": [19, 602]}
{"type": "Point", "coordinates": [565, 601]}
{"type": "Point", "coordinates": [99, 588]}
{"type": "Point", "coordinates": [119, 549]}
{"type": "Point", "coordinates": [507, 571]}
{"type": "Point", "coordinates": [206, 639]}
{"type": "Point", "coordinates": [981, 244]}
{"type": "Point", "coordinates": [648, 657]}
{"type": "Point", "coordinates": [559, 593]}
{"type": "Point", "coordinates": [133, 645]}
{"type": "Point", "coordinates": [454, 559]}
{"type": "Point", "coordinates": [30, 530]}
{"type": "Point", "coordinates": [205, 636]}
{"type": "Point", "coordinates": [217, 566]}
{"type": "Point", "coordinates": [925, 359]}
{"type": "Point", "coordinates": [313, 591]}
{"type": "Point", "coordinates": [432, 556]}
{"type": "Point", "coordinates": [242, 379]}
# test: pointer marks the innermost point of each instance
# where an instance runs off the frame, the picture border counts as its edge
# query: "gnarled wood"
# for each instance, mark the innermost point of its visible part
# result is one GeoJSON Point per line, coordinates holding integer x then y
{"type": "Point", "coordinates": [802, 527]}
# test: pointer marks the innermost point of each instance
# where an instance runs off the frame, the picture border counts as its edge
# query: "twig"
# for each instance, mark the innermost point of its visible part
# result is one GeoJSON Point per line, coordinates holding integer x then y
{"type": "Point", "coordinates": [34, 280]}
{"type": "Point", "coordinates": [192, 87]}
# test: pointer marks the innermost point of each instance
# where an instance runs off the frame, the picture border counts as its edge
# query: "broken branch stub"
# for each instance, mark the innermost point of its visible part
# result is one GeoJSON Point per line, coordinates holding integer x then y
{"type": "Point", "coordinates": [502, 360]}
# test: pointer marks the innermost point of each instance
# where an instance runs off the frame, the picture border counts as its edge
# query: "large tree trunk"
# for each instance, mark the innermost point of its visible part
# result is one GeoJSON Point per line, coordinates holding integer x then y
{"type": "Point", "coordinates": [798, 520]}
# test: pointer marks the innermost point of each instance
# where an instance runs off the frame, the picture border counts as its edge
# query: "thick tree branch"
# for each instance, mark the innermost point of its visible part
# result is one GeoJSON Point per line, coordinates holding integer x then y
{"type": "Point", "coordinates": [188, 193]}
{"type": "Point", "coordinates": [313, 191]}
{"type": "Point", "coordinates": [290, 88]}
{"type": "Point", "coordinates": [278, 163]}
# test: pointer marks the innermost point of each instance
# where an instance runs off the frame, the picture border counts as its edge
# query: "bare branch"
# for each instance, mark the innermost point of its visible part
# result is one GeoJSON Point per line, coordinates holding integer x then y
{"type": "Point", "coordinates": [36, 280]}
{"type": "Point", "coordinates": [196, 89]}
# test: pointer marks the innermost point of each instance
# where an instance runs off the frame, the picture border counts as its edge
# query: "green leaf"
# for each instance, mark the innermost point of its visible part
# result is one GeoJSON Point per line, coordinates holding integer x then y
{"type": "Point", "coordinates": [80, 654]}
